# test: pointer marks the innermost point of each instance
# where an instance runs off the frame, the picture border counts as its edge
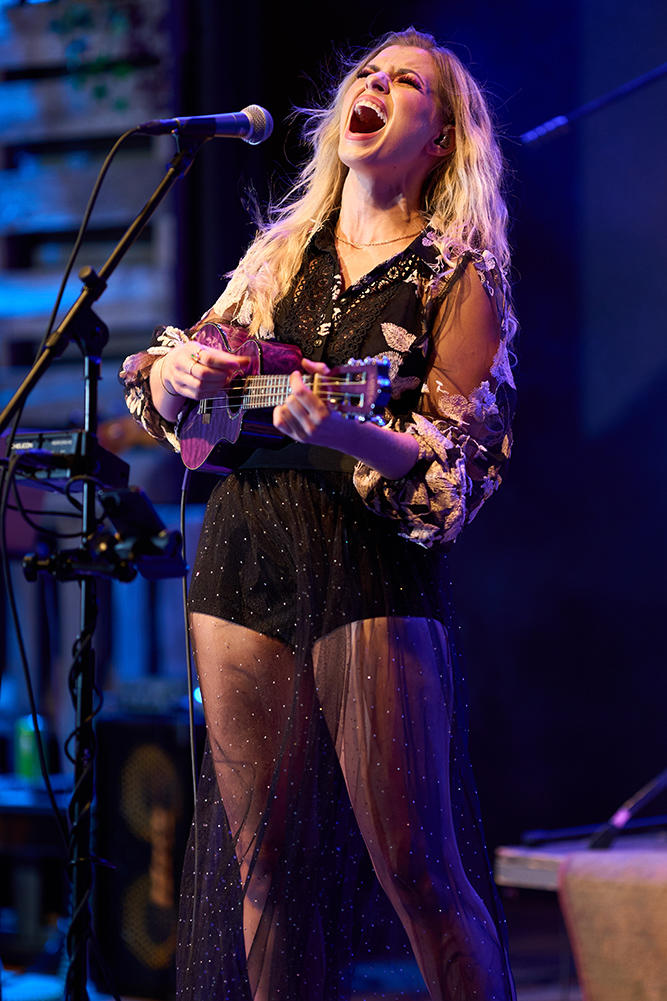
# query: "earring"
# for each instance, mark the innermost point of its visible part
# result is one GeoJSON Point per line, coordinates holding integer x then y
{"type": "Point", "coordinates": [444, 140]}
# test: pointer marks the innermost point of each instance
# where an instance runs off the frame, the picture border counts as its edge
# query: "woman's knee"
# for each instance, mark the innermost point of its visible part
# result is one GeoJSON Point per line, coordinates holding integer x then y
{"type": "Point", "coordinates": [427, 893]}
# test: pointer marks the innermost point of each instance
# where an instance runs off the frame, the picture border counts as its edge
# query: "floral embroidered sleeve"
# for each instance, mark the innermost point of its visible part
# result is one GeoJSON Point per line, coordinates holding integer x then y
{"type": "Point", "coordinates": [136, 369]}
{"type": "Point", "coordinates": [464, 442]}
{"type": "Point", "coordinates": [135, 376]}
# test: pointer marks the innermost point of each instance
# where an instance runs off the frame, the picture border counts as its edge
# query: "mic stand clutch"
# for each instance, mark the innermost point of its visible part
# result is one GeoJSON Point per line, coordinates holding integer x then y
{"type": "Point", "coordinates": [83, 326]}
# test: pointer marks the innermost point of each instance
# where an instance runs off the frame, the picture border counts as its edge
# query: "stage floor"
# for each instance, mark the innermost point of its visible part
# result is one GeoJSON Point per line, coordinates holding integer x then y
{"type": "Point", "coordinates": [539, 953]}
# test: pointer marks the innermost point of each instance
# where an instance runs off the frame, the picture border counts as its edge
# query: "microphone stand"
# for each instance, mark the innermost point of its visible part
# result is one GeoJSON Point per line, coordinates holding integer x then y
{"type": "Point", "coordinates": [82, 325]}
{"type": "Point", "coordinates": [562, 122]}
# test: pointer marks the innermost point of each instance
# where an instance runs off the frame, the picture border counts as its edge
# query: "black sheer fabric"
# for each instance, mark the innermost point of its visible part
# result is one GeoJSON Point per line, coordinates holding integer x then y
{"type": "Point", "coordinates": [356, 664]}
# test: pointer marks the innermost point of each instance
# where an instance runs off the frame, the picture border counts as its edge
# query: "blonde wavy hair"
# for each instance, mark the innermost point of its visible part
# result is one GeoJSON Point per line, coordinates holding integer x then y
{"type": "Point", "coordinates": [462, 199]}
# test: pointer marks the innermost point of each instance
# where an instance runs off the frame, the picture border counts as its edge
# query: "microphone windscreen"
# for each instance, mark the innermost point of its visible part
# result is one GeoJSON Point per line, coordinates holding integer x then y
{"type": "Point", "coordinates": [261, 124]}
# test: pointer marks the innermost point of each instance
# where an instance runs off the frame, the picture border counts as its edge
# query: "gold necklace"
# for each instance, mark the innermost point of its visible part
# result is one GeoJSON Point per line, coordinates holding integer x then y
{"type": "Point", "coordinates": [380, 243]}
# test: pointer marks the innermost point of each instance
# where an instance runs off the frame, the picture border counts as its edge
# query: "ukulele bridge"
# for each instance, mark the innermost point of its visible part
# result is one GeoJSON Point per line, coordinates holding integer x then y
{"type": "Point", "coordinates": [204, 410]}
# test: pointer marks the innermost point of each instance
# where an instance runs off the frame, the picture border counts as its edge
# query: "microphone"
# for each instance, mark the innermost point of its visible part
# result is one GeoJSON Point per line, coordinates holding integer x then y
{"type": "Point", "coordinates": [253, 125]}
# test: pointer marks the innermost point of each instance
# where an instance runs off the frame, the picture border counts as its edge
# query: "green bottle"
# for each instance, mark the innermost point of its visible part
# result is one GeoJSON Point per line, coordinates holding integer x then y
{"type": "Point", "coordinates": [26, 755]}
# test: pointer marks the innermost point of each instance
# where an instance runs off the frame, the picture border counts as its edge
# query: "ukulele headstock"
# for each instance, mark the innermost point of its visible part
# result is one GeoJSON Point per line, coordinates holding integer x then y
{"type": "Point", "coordinates": [357, 390]}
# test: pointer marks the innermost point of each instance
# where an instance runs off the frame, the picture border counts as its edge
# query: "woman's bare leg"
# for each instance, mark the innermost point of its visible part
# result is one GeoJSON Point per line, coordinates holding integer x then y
{"type": "Point", "coordinates": [391, 727]}
{"type": "Point", "coordinates": [248, 687]}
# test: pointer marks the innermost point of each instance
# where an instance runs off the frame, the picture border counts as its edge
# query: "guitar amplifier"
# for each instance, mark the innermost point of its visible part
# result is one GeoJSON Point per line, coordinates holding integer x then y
{"type": "Point", "coordinates": [142, 822]}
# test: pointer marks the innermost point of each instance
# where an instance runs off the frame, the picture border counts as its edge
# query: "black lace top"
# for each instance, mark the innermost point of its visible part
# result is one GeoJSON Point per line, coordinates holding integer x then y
{"type": "Point", "coordinates": [389, 313]}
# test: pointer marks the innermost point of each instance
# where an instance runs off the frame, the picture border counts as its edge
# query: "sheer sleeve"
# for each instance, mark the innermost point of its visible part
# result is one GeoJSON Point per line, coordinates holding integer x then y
{"type": "Point", "coordinates": [464, 440]}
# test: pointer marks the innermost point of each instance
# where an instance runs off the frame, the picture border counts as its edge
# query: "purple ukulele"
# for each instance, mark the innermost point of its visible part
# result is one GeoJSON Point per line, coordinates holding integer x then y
{"type": "Point", "coordinates": [220, 433]}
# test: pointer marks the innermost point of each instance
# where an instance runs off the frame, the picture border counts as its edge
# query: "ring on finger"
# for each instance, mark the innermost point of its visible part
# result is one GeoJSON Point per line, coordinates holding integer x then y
{"type": "Point", "coordinates": [196, 359]}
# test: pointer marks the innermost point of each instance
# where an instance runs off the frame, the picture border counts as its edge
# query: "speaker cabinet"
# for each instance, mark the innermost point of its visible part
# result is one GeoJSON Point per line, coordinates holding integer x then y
{"type": "Point", "coordinates": [142, 821]}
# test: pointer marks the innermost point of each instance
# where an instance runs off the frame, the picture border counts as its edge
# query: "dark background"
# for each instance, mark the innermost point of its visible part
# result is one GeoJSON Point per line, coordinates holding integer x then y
{"type": "Point", "coordinates": [560, 581]}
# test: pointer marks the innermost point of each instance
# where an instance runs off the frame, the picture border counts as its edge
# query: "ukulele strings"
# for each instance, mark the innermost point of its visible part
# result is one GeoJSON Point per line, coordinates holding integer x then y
{"type": "Point", "coordinates": [274, 392]}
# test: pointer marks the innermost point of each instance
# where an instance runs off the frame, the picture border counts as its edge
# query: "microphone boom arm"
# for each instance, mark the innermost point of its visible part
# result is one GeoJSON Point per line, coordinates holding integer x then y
{"type": "Point", "coordinates": [80, 322]}
{"type": "Point", "coordinates": [562, 122]}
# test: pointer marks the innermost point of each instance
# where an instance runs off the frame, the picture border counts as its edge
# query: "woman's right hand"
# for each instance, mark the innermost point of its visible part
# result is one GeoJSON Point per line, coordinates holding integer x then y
{"type": "Point", "coordinates": [192, 371]}
{"type": "Point", "coordinates": [196, 371]}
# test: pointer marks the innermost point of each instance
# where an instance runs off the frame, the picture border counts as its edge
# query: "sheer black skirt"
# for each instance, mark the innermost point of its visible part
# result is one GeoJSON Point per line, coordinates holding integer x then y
{"type": "Point", "coordinates": [363, 705]}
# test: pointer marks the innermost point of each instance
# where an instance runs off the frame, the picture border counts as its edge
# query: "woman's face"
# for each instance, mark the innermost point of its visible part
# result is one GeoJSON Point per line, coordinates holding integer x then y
{"type": "Point", "coordinates": [391, 115]}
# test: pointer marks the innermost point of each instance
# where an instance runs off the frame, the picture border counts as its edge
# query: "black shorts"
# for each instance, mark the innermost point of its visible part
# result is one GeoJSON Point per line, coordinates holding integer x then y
{"type": "Point", "coordinates": [294, 554]}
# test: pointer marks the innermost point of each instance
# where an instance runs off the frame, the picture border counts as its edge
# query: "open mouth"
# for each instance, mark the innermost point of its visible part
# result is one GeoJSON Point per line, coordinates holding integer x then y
{"type": "Point", "coordinates": [367, 118]}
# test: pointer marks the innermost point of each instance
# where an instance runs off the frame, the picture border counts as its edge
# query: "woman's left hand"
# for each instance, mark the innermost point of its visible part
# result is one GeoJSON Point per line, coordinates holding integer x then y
{"type": "Point", "coordinates": [306, 417]}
